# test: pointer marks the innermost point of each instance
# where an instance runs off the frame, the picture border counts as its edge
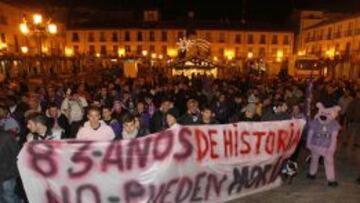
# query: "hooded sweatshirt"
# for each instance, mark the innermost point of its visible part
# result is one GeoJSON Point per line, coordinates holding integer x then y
{"type": "Point", "coordinates": [102, 133]}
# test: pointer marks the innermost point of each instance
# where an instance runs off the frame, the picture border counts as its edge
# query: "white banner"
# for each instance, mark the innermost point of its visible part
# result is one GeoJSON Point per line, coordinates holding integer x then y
{"type": "Point", "coordinates": [213, 163]}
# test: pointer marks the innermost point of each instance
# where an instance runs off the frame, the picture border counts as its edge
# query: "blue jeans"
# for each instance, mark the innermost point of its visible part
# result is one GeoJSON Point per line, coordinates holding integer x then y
{"type": "Point", "coordinates": [7, 192]}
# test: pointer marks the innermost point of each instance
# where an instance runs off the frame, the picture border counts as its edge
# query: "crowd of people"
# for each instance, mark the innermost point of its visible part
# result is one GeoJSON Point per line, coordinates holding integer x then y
{"type": "Point", "coordinates": [116, 108]}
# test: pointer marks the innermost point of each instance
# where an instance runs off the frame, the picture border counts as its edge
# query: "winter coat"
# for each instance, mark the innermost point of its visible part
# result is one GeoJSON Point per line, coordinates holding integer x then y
{"type": "Point", "coordinates": [158, 121]}
{"type": "Point", "coordinates": [189, 119]}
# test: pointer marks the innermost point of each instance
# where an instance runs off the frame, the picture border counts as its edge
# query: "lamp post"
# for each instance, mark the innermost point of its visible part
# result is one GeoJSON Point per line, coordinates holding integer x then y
{"type": "Point", "coordinates": [38, 28]}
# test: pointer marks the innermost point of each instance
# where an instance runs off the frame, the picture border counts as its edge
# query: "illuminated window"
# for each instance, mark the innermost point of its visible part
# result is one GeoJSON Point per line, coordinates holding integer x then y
{"type": "Point", "coordinates": [91, 37]}
{"type": "Point", "coordinates": [221, 52]}
{"type": "Point", "coordinates": [262, 39]}
{"type": "Point", "coordinates": [76, 49]}
{"type": "Point", "coordinates": [152, 48]}
{"type": "Point", "coordinates": [262, 52]}
{"type": "Point", "coordinates": [238, 39]}
{"type": "Point", "coordinates": [286, 40]}
{"type": "Point", "coordinates": [250, 39]}
{"type": "Point", "coordinates": [164, 49]}
{"type": "Point", "coordinates": [127, 36]}
{"type": "Point", "coordinates": [274, 39]}
{"type": "Point", "coordinates": [92, 50]}
{"type": "Point", "coordinates": [222, 38]}
{"type": "Point", "coordinates": [115, 37]}
{"type": "Point", "coordinates": [102, 37]}
{"type": "Point", "coordinates": [164, 36]}
{"type": "Point", "coordinates": [115, 49]}
{"type": "Point", "coordinates": [127, 49]}
{"type": "Point", "coordinates": [152, 36]}
{"type": "Point", "coordinates": [139, 49]}
{"type": "Point", "coordinates": [103, 50]}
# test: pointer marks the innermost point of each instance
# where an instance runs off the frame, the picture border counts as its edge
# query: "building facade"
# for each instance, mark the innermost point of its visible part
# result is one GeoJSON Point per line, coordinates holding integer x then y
{"type": "Point", "coordinates": [335, 40]}
{"type": "Point", "coordinates": [271, 46]}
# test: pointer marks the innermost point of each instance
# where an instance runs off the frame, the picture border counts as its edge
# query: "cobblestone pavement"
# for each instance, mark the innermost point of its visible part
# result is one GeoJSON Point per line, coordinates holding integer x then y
{"type": "Point", "coordinates": [303, 190]}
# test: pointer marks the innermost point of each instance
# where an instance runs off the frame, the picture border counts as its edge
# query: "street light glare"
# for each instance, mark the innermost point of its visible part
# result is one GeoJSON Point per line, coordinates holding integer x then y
{"type": "Point", "coordinates": [24, 50]}
{"type": "Point", "coordinates": [52, 28]}
{"type": "Point", "coordinates": [37, 18]}
{"type": "Point", "coordinates": [24, 28]}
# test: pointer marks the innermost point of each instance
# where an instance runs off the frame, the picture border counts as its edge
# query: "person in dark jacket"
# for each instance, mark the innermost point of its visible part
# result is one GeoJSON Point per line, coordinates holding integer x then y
{"type": "Point", "coordinates": [192, 116]}
{"type": "Point", "coordinates": [158, 121]}
{"type": "Point", "coordinates": [119, 111]}
{"type": "Point", "coordinates": [328, 96]}
{"type": "Point", "coordinates": [221, 109]}
{"type": "Point", "coordinates": [143, 115]}
{"type": "Point", "coordinates": [57, 120]}
{"type": "Point", "coordinates": [277, 113]}
{"type": "Point", "coordinates": [207, 116]}
{"type": "Point", "coordinates": [112, 122]}
{"type": "Point", "coordinates": [8, 170]}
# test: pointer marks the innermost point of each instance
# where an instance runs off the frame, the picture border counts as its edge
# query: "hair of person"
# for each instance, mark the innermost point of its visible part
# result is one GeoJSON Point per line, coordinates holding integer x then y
{"type": "Point", "coordinates": [165, 99]}
{"type": "Point", "coordinates": [38, 118]}
{"type": "Point", "coordinates": [52, 105]}
{"type": "Point", "coordinates": [94, 108]}
{"type": "Point", "coordinates": [108, 107]}
{"type": "Point", "coordinates": [206, 107]}
{"type": "Point", "coordinates": [128, 118]}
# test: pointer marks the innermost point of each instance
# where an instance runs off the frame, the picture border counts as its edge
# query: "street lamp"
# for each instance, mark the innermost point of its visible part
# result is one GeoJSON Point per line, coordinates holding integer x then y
{"type": "Point", "coordinates": [37, 18]}
{"type": "Point", "coordinates": [250, 55]}
{"type": "Point", "coordinates": [144, 53]}
{"type": "Point", "coordinates": [38, 28]}
{"type": "Point", "coordinates": [24, 49]}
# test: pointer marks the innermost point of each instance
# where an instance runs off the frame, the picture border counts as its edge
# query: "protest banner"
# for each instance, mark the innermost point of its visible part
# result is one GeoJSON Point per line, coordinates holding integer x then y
{"type": "Point", "coordinates": [210, 163]}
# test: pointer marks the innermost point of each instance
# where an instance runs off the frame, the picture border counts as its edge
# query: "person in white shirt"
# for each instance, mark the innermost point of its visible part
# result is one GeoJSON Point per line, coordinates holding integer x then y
{"type": "Point", "coordinates": [95, 129]}
{"type": "Point", "coordinates": [73, 107]}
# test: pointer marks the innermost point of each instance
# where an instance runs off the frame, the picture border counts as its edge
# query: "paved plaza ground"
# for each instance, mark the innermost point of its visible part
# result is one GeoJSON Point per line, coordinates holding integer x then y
{"type": "Point", "coordinates": [303, 190]}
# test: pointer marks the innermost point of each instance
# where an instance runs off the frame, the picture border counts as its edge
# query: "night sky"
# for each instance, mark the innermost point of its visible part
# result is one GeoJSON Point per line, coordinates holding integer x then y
{"type": "Point", "coordinates": [276, 11]}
